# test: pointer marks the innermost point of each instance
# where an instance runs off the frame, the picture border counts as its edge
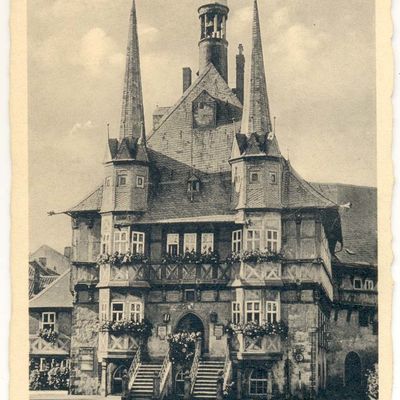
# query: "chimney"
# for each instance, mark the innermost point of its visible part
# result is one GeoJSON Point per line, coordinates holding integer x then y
{"type": "Point", "coordinates": [186, 78]}
{"type": "Point", "coordinates": [43, 261]}
{"type": "Point", "coordinates": [67, 252]}
{"type": "Point", "coordinates": [240, 61]}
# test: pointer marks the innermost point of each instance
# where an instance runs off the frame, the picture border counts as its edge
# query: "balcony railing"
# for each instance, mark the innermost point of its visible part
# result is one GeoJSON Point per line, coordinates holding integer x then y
{"type": "Point", "coordinates": [362, 297]}
{"type": "Point", "coordinates": [38, 345]}
{"type": "Point", "coordinates": [112, 344]}
{"type": "Point", "coordinates": [256, 272]}
{"type": "Point", "coordinates": [258, 347]}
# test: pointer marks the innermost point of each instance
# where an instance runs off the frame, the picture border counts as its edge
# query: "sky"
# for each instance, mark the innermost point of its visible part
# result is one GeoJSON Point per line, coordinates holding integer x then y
{"type": "Point", "coordinates": [320, 66]}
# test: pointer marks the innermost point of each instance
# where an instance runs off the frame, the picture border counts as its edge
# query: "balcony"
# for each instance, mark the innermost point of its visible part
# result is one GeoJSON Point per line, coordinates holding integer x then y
{"type": "Point", "coordinates": [357, 297]}
{"type": "Point", "coordinates": [40, 346]}
{"type": "Point", "coordinates": [257, 348]}
{"type": "Point", "coordinates": [142, 275]}
{"type": "Point", "coordinates": [116, 345]}
{"type": "Point", "coordinates": [256, 273]}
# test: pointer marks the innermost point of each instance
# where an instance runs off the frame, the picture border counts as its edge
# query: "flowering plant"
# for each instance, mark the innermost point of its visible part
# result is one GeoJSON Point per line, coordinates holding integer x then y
{"type": "Point", "coordinates": [191, 257]}
{"type": "Point", "coordinates": [373, 383]}
{"type": "Point", "coordinates": [120, 259]}
{"type": "Point", "coordinates": [138, 329]}
{"type": "Point", "coordinates": [261, 256]}
{"type": "Point", "coordinates": [182, 347]}
{"type": "Point", "coordinates": [49, 335]}
{"type": "Point", "coordinates": [57, 378]}
{"type": "Point", "coordinates": [253, 330]}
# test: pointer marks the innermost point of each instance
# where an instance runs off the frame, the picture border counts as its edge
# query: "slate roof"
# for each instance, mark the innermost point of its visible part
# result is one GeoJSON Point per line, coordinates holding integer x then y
{"type": "Point", "coordinates": [55, 295]}
{"type": "Point", "coordinates": [43, 275]}
{"type": "Point", "coordinates": [359, 222]}
{"type": "Point", "coordinates": [90, 203]}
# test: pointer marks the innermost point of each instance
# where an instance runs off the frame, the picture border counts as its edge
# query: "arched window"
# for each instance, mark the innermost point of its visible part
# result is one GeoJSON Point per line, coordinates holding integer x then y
{"type": "Point", "coordinates": [258, 381]}
{"type": "Point", "coordinates": [352, 370]}
{"type": "Point", "coordinates": [180, 383]}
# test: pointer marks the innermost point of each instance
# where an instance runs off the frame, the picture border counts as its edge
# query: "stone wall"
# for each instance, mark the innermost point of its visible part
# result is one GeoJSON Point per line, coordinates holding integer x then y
{"type": "Point", "coordinates": [348, 336]}
{"type": "Point", "coordinates": [86, 238]}
{"type": "Point", "coordinates": [84, 339]}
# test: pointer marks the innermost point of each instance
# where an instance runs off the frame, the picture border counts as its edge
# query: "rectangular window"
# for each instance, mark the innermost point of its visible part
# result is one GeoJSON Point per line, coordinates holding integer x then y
{"type": "Point", "coordinates": [272, 240]}
{"type": "Point", "coordinates": [253, 311]}
{"type": "Point", "coordinates": [237, 241]}
{"type": "Point", "coordinates": [272, 177]}
{"type": "Point", "coordinates": [190, 295]}
{"type": "Point", "coordinates": [140, 181]}
{"type": "Point", "coordinates": [137, 242]}
{"type": "Point", "coordinates": [236, 311]}
{"type": "Point", "coordinates": [117, 311]}
{"type": "Point", "coordinates": [189, 241]}
{"type": "Point", "coordinates": [122, 179]}
{"type": "Point", "coordinates": [49, 320]}
{"type": "Point", "coordinates": [369, 284]}
{"type": "Point", "coordinates": [105, 243]}
{"type": "Point", "coordinates": [121, 240]}
{"type": "Point", "coordinates": [103, 312]}
{"type": "Point", "coordinates": [253, 239]}
{"type": "Point", "coordinates": [135, 312]}
{"type": "Point", "coordinates": [357, 283]}
{"type": "Point", "coordinates": [207, 242]}
{"type": "Point", "coordinates": [173, 244]}
{"type": "Point", "coordinates": [272, 312]}
{"type": "Point", "coordinates": [254, 177]}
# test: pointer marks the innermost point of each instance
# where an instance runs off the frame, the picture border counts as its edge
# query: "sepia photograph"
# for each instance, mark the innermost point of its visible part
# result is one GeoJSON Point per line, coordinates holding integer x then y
{"type": "Point", "coordinates": [203, 216]}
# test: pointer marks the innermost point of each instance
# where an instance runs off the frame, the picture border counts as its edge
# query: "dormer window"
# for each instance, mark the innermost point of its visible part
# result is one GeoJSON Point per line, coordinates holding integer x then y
{"type": "Point", "coordinates": [194, 186]}
{"type": "Point", "coordinates": [357, 283]}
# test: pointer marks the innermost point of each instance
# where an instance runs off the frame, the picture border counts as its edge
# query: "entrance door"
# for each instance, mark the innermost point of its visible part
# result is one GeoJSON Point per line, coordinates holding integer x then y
{"type": "Point", "coordinates": [117, 379]}
{"type": "Point", "coordinates": [352, 371]}
{"type": "Point", "coordinates": [191, 323]}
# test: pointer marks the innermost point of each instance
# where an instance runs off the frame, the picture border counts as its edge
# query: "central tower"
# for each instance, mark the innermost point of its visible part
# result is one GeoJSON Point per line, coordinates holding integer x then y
{"type": "Point", "coordinates": [213, 46]}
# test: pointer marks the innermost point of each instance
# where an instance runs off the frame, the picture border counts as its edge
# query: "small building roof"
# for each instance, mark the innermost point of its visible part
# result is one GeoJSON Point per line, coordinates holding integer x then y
{"type": "Point", "coordinates": [55, 295]}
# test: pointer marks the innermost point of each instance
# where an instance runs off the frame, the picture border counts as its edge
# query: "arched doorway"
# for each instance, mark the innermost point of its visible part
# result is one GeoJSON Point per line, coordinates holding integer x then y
{"type": "Point", "coordinates": [352, 371]}
{"type": "Point", "coordinates": [117, 379]}
{"type": "Point", "coordinates": [191, 323]}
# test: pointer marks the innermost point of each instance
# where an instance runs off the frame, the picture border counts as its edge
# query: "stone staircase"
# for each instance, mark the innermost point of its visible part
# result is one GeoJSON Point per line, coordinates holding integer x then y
{"type": "Point", "coordinates": [142, 387]}
{"type": "Point", "coordinates": [206, 381]}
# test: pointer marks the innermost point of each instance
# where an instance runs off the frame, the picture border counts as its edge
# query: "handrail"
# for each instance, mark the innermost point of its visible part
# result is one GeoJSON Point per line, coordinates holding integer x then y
{"type": "Point", "coordinates": [164, 375]}
{"type": "Point", "coordinates": [227, 369]}
{"type": "Point", "coordinates": [195, 365]}
{"type": "Point", "coordinates": [133, 369]}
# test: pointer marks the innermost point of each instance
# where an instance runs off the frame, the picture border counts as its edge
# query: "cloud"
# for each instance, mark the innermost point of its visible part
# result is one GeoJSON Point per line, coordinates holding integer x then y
{"type": "Point", "coordinates": [147, 30]}
{"type": "Point", "coordinates": [78, 127]}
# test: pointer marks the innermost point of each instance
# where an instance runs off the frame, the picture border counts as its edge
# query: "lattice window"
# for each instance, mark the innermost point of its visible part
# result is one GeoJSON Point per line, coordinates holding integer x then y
{"type": "Point", "coordinates": [173, 244]}
{"type": "Point", "coordinates": [272, 311]}
{"type": "Point", "coordinates": [135, 312]}
{"type": "Point", "coordinates": [138, 242]}
{"type": "Point", "coordinates": [258, 381]}
{"type": "Point", "coordinates": [253, 311]}
{"type": "Point", "coordinates": [237, 241]}
{"type": "Point", "coordinates": [253, 239]}
{"type": "Point", "coordinates": [272, 240]}
{"type": "Point", "coordinates": [49, 320]}
{"type": "Point", "coordinates": [189, 242]}
{"type": "Point", "coordinates": [207, 242]}
{"type": "Point", "coordinates": [121, 240]}
{"type": "Point", "coordinates": [117, 311]}
{"type": "Point", "coordinates": [236, 312]}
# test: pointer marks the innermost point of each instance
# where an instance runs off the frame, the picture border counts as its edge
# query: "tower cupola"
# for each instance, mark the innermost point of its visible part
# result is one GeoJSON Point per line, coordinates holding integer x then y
{"type": "Point", "coordinates": [213, 46]}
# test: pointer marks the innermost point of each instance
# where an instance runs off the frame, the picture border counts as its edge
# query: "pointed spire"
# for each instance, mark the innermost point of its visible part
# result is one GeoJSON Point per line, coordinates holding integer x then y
{"type": "Point", "coordinates": [132, 115]}
{"type": "Point", "coordinates": [259, 117]}
{"type": "Point", "coordinates": [142, 139]}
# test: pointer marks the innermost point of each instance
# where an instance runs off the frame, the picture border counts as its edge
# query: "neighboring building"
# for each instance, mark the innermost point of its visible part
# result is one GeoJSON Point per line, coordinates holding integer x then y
{"type": "Point", "coordinates": [50, 320]}
{"type": "Point", "coordinates": [39, 277]}
{"type": "Point", "coordinates": [52, 259]}
{"type": "Point", "coordinates": [198, 185]}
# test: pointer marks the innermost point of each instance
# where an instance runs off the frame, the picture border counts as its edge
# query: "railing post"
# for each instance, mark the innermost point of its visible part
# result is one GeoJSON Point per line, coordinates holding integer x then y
{"type": "Point", "coordinates": [220, 386]}
{"type": "Point", "coordinates": [187, 386]}
{"type": "Point", "coordinates": [156, 385]}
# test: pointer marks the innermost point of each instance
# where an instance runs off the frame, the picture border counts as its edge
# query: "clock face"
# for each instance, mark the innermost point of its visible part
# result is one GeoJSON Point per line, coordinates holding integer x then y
{"type": "Point", "coordinates": [204, 114]}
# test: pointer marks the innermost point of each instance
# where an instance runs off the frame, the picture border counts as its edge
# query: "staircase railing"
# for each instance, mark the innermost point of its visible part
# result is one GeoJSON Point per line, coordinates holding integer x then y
{"type": "Point", "coordinates": [134, 368]}
{"type": "Point", "coordinates": [165, 375]}
{"type": "Point", "coordinates": [227, 369]}
{"type": "Point", "coordinates": [195, 365]}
